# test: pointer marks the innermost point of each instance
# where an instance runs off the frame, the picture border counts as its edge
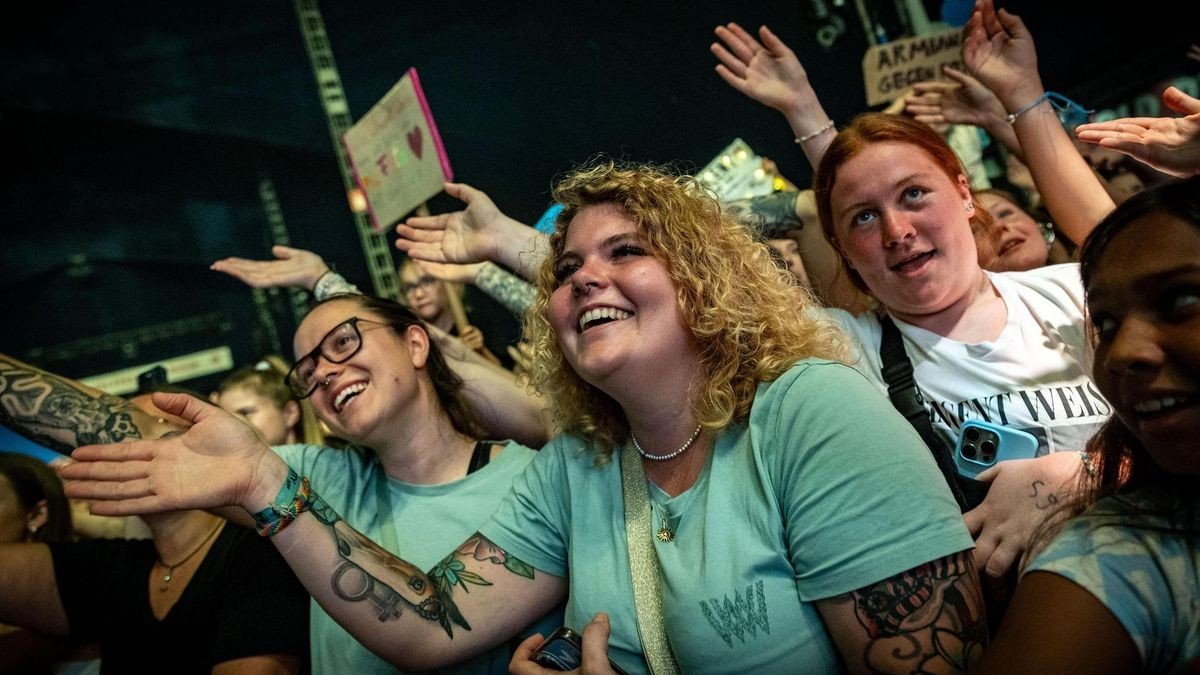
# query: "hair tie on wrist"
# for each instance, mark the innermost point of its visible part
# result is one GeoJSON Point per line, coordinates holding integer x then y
{"type": "Point", "coordinates": [808, 137]}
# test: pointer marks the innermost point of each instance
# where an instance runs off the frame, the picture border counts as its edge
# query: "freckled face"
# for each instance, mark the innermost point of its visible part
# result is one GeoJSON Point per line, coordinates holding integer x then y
{"type": "Point", "coordinates": [904, 226]}
{"type": "Point", "coordinates": [615, 309]}
{"type": "Point", "coordinates": [1144, 303]}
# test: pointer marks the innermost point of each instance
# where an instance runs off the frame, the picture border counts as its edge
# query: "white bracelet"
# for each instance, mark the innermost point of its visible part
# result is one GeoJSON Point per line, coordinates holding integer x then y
{"type": "Point", "coordinates": [808, 137]}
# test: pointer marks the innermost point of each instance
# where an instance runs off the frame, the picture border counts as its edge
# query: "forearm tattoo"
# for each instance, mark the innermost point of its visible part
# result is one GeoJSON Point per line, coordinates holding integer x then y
{"type": "Point", "coordinates": [52, 412]}
{"type": "Point", "coordinates": [365, 564]}
{"type": "Point", "coordinates": [931, 617]}
{"type": "Point", "coordinates": [514, 293]}
{"type": "Point", "coordinates": [771, 215]}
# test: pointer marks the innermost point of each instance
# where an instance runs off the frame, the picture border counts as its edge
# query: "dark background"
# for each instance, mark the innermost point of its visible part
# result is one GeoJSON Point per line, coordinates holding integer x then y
{"type": "Point", "coordinates": [135, 134]}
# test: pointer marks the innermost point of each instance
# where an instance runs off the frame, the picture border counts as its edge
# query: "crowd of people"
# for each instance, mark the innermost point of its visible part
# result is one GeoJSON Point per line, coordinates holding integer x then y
{"type": "Point", "coordinates": [731, 441]}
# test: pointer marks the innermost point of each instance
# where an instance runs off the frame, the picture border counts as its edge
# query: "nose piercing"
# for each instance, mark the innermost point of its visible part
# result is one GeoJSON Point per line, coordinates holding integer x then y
{"type": "Point", "coordinates": [325, 382]}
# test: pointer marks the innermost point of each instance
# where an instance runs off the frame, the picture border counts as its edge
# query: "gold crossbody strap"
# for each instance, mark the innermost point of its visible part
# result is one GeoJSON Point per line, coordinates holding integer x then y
{"type": "Point", "coordinates": [643, 566]}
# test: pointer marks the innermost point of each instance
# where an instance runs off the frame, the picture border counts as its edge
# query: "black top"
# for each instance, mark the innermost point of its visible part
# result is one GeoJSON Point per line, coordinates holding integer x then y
{"type": "Point", "coordinates": [242, 601]}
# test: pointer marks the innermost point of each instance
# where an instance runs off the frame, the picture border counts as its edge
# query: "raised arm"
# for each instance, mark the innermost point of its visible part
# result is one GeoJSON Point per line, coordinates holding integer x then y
{"type": "Point", "coordinates": [63, 414]}
{"type": "Point", "coordinates": [477, 233]}
{"type": "Point", "coordinates": [513, 292]}
{"type": "Point", "coordinates": [964, 100]}
{"type": "Point", "coordinates": [292, 267]}
{"type": "Point", "coordinates": [503, 401]}
{"type": "Point", "coordinates": [476, 598]}
{"type": "Point", "coordinates": [1169, 144]}
{"type": "Point", "coordinates": [999, 51]}
{"type": "Point", "coordinates": [769, 72]}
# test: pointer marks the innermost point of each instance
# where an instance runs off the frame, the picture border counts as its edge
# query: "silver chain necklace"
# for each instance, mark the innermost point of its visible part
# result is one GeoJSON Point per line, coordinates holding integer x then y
{"type": "Point", "coordinates": [662, 458]}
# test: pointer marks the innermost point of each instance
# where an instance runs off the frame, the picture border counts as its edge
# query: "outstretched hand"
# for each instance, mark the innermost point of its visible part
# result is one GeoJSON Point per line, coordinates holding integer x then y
{"type": "Point", "coordinates": [291, 267]}
{"type": "Point", "coordinates": [964, 100]}
{"type": "Point", "coordinates": [453, 272]}
{"type": "Point", "coordinates": [768, 72]}
{"type": "Point", "coordinates": [1169, 144]}
{"type": "Point", "coordinates": [998, 49]}
{"type": "Point", "coordinates": [219, 461]}
{"type": "Point", "coordinates": [458, 237]}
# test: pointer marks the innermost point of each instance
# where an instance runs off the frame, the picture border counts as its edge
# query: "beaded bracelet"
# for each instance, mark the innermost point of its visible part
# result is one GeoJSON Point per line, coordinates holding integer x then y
{"type": "Point", "coordinates": [295, 497]}
{"type": "Point", "coordinates": [808, 137]}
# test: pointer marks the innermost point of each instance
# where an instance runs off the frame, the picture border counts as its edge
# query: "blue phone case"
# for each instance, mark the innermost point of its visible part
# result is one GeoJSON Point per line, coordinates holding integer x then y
{"type": "Point", "coordinates": [981, 444]}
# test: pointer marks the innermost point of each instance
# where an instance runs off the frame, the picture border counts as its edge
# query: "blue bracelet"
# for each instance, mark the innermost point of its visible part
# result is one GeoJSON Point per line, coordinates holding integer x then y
{"type": "Point", "coordinates": [285, 508]}
{"type": "Point", "coordinates": [1070, 113]}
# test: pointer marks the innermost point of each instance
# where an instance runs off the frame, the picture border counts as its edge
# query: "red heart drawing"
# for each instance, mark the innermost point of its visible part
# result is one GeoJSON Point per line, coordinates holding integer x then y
{"type": "Point", "coordinates": [414, 141]}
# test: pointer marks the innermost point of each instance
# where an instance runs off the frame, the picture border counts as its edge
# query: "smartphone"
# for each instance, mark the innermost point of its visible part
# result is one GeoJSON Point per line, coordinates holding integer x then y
{"type": "Point", "coordinates": [982, 444]}
{"type": "Point", "coordinates": [563, 650]}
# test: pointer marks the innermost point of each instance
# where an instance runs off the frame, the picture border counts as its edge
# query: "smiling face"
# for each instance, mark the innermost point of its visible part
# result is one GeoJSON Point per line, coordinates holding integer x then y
{"type": "Point", "coordinates": [361, 397]}
{"type": "Point", "coordinates": [903, 225]}
{"type": "Point", "coordinates": [1144, 302]}
{"type": "Point", "coordinates": [1021, 245]}
{"type": "Point", "coordinates": [615, 309]}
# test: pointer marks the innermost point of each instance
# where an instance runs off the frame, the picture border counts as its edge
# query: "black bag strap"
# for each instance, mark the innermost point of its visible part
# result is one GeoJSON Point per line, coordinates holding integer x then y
{"type": "Point", "coordinates": [902, 389]}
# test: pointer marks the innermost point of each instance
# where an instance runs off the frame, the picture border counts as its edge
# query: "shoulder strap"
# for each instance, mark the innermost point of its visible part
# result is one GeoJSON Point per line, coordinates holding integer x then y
{"type": "Point", "coordinates": [643, 566]}
{"type": "Point", "coordinates": [481, 457]}
{"type": "Point", "coordinates": [902, 389]}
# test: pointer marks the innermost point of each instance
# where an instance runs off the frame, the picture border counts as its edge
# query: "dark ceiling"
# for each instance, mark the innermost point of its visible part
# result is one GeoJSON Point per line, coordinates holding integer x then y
{"type": "Point", "coordinates": [136, 133]}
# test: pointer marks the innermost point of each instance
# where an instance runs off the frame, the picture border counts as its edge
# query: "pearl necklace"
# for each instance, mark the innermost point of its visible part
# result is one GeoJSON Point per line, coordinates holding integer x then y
{"type": "Point", "coordinates": [662, 458]}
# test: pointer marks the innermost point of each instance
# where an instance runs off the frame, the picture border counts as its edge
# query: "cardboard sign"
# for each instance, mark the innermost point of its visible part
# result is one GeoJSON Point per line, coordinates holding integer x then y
{"type": "Point", "coordinates": [891, 68]}
{"type": "Point", "coordinates": [396, 153]}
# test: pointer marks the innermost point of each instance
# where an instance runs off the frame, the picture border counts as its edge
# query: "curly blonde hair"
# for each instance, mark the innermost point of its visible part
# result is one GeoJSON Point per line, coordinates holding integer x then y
{"type": "Point", "coordinates": [749, 318]}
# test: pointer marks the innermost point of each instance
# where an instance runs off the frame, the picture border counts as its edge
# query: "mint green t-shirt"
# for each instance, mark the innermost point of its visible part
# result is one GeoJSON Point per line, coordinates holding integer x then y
{"type": "Point", "coordinates": [428, 521]}
{"type": "Point", "coordinates": [826, 490]}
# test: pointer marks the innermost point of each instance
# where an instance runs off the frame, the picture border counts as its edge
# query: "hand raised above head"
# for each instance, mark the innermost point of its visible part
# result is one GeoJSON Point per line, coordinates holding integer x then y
{"type": "Point", "coordinates": [768, 72]}
{"type": "Point", "coordinates": [1169, 144]}
{"type": "Point", "coordinates": [457, 237]}
{"type": "Point", "coordinates": [219, 461]}
{"type": "Point", "coordinates": [291, 267]}
{"type": "Point", "coordinates": [998, 49]}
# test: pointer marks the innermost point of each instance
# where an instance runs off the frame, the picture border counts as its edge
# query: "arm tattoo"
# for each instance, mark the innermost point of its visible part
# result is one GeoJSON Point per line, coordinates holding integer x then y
{"type": "Point", "coordinates": [931, 616]}
{"type": "Point", "coordinates": [51, 411]}
{"type": "Point", "coordinates": [428, 595]}
{"type": "Point", "coordinates": [771, 215]}
{"type": "Point", "coordinates": [513, 292]}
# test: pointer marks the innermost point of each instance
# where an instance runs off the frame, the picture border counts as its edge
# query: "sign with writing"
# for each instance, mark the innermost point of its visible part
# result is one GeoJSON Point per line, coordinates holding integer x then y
{"type": "Point", "coordinates": [891, 68]}
{"type": "Point", "coordinates": [396, 153]}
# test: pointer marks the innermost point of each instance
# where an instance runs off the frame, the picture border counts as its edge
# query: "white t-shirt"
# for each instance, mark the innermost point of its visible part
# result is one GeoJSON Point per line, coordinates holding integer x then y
{"type": "Point", "coordinates": [1036, 376]}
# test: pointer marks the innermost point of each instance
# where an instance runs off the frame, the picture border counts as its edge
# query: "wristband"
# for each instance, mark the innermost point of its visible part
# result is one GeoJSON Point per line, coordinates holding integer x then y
{"type": "Point", "coordinates": [295, 497]}
{"type": "Point", "coordinates": [808, 137]}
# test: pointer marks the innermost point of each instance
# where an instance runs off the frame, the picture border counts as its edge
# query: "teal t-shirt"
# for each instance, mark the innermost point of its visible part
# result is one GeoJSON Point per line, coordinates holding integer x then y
{"type": "Point", "coordinates": [826, 490]}
{"type": "Point", "coordinates": [1143, 566]}
{"type": "Point", "coordinates": [428, 521]}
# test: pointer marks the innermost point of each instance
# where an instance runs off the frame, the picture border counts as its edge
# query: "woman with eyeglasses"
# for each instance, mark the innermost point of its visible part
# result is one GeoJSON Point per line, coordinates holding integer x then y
{"type": "Point", "coordinates": [705, 429]}
{"type": "Point", "coordinates": [429, 299]}
{"type": "Point", "coordinates": [418, 478]}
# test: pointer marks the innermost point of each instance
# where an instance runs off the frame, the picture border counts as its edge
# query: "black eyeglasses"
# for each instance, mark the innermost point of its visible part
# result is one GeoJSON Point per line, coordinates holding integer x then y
{"type": "Point", "coordinates": [424, 283]}
{"type": "Point", "coordinates": [338, 346]}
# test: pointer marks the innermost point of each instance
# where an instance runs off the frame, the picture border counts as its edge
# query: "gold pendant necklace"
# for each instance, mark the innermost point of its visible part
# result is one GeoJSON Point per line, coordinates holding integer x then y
{"type": "Point", "coordinates": [170, 573]}
{"type": "Point", "coordinates": [665, 534]}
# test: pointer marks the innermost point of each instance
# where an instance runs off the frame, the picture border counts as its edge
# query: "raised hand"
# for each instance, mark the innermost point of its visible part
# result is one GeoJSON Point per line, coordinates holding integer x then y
{"type": "Point", "coordinates": [453, 272]}
{"type": "Point", "coordinates": [291, 267]}
{"type": "Point", "coordinates": [768, 72]}
{"type": "Point", "coordinates": [999, 51]}
{"type": "Point", "coordinates": [458, 237]}
{"type": "Point", "coordinates": [964, 100]}
{"type": "Point", "coordinates": [1169, 144]}
{"type": "Point", "coordinates": [219, 461]}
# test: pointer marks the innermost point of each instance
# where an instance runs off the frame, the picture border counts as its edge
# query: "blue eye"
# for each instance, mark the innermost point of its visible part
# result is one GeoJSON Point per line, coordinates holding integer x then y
{"type": "Point", "coordinates": [1181, 301]}
{"type": "Point", "coordinates": [861, 218]}
{"type": "Point", "coordinates": [1104, 325]}
{"type": "Point", "coordinates": [914, 193]}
